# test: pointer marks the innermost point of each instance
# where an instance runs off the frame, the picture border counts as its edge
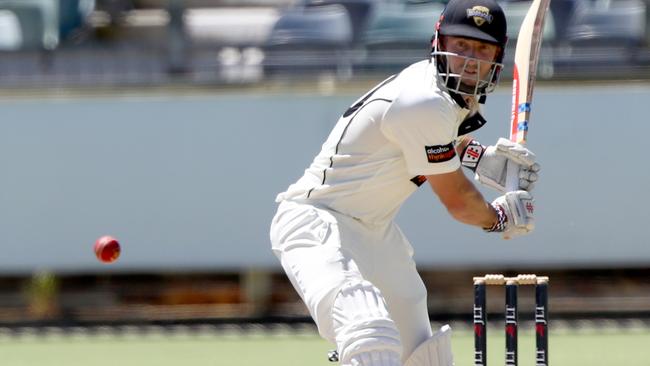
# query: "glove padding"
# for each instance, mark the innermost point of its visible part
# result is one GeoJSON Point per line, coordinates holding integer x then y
{"type": "Point", "coordinates": [515, 212]}
{"type": "Point", "coordinates": [490, 164]}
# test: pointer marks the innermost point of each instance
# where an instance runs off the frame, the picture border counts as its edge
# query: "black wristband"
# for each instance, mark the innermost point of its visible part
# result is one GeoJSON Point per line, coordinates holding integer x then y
{"type": "Point", "coordinates": [471, 155]}
{"type": "Point", "coordinates": [500, 224]}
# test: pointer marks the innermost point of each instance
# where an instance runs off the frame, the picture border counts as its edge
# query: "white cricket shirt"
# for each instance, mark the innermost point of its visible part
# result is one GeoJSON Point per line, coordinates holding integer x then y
{"type": "Point", "coordinates": [382, 147]}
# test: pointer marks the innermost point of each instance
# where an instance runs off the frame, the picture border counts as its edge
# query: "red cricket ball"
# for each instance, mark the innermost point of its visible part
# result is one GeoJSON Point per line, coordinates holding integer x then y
{"type": "Point", "coordinates": [107, 249]}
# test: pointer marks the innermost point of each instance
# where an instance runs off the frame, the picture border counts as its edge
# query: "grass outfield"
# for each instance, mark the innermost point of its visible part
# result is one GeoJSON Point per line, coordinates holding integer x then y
{"type": "Point", "coordinates": [575, 348]}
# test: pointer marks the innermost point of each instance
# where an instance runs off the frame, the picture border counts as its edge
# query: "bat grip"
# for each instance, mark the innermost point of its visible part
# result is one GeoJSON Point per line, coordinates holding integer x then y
{"type": "Point", "coordinates": [512, 179]}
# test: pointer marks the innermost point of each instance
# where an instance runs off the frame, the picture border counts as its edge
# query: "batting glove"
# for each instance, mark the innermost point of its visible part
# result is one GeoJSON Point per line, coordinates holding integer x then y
{"type": "Point", "coordinates": [515, 212]}
{"type": "Point", "coordinates": [490, 164]}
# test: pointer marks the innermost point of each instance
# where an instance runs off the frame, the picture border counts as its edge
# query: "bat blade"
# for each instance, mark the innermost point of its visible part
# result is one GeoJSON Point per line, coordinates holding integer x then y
{"type": "Point", "coordinates": [523, 79]}
{"type": "Point", "coordinates": [525, 69]}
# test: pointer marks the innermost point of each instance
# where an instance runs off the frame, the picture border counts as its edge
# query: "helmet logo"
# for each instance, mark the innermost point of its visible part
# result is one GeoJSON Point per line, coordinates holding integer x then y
{"type": "Point", "coordinates": [480, 14]}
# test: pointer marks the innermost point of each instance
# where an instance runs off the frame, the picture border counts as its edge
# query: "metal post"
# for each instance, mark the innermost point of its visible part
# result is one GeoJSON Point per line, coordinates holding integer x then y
{"type": "Point", "coordinates": [176, 37]}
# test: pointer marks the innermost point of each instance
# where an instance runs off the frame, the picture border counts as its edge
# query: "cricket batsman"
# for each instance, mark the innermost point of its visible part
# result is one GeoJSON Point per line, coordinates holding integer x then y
{"type": "Point", "coordinates": [334, 231]}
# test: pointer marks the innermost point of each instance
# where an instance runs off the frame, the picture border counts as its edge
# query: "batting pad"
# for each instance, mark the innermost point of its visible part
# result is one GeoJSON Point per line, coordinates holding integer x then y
{"type": "Point", "coordinates": [365, 333]}
{"type": "Point", "coordinates": [435, 351]}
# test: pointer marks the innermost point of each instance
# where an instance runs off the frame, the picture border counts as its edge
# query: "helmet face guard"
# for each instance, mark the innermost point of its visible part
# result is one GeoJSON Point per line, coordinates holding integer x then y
{"type": "Point", "coordinates": [461, 82]}
{"type": "Point", "coordinates": [481, 20]}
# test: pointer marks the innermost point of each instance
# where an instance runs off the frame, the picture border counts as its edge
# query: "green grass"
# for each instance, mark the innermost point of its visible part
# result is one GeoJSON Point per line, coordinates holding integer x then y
{"type": "Point", "coordinates": [593, 348]}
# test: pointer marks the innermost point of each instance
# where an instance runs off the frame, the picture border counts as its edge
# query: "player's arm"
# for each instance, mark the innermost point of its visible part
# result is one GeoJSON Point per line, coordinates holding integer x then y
{"type": "Point", "coordinates": [510, 214]}
{"type": "Point", "coordinates": [462, 143]}
{"type": "Point", "coordinates": [461, 198]}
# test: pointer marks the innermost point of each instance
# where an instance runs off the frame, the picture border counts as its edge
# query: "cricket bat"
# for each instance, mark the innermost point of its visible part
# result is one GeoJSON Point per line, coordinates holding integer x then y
{"type": "Point", "coordinates": [523, 78]}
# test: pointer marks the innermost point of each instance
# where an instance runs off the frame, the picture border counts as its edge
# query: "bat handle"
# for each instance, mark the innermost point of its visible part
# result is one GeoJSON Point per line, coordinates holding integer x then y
{"type": "Point", "coordinates": [512, 179]}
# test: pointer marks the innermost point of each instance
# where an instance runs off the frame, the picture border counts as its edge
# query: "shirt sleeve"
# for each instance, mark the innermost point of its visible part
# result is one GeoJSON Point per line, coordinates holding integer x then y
{"type": "Point", "coordinates": [424, 127]}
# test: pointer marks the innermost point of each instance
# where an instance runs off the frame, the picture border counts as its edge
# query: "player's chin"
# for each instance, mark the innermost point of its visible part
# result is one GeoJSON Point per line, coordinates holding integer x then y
{"type": "Point", "coordinates": [472, 79]}
{"type": "Point", "coordinates": [469, 82]}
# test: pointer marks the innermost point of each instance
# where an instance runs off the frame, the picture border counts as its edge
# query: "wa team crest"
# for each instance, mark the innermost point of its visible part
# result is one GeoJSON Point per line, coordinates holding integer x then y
{"type": "Point", "coordinates": [480, 14]}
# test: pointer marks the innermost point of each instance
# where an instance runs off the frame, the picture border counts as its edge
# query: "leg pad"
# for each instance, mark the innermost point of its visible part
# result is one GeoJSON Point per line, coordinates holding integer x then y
{"type": "Point", "coordinates": [436, 351]}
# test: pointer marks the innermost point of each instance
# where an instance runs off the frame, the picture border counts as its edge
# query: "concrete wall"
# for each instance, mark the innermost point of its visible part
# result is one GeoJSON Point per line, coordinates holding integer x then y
{"type": "Point", "coordinates": [188, 182]}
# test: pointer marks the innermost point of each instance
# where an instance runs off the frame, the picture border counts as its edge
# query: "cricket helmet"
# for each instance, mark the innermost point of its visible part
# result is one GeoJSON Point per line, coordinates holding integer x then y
{"type": "Point", "coordinates": [481, 20]}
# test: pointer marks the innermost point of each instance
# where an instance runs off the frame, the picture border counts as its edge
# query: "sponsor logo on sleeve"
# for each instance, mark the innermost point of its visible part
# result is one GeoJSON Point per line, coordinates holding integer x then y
{"type": "Point", "coordinates": [440, 153]}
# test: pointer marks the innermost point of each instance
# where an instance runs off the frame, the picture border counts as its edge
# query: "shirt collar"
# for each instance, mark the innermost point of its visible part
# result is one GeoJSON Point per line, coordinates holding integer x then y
{"type": "Point", "coordinates": [471, 123]}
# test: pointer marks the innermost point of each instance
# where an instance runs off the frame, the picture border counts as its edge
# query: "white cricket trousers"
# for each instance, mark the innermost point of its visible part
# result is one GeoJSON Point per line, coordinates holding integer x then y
{"type": "Point", "coordinates": [321, 251]}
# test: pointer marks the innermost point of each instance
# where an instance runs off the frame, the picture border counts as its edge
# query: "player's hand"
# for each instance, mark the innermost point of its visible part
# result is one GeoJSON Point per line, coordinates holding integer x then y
{"type": "Point", "coordinates": [515, 214]}
{"type": "Point", "coordinates": [490, 164]}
